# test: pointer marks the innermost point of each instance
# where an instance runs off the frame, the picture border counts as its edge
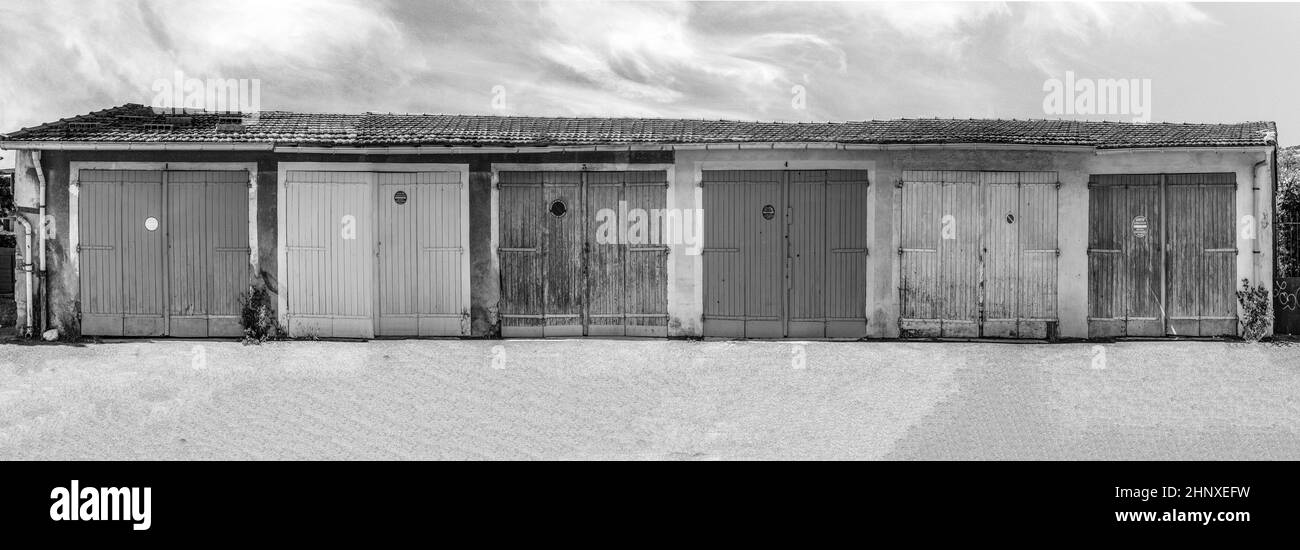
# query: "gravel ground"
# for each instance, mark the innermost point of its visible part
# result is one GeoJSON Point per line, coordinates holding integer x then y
{"type": "Point", "coordinates": [648, 399]}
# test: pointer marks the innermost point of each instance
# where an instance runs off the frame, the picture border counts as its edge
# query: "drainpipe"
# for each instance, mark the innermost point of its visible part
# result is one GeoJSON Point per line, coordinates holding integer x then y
{"type": "Point", "coordinates": [27, 267]}
{"type": "Point", "coordinates": [1254, 204]}
{"type": "Point", "coordinates": [40, 227]}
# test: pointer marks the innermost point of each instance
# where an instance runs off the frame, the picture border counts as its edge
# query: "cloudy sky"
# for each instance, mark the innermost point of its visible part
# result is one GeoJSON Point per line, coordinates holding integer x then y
{"type": "Point", "coordinates": [1205, 62]}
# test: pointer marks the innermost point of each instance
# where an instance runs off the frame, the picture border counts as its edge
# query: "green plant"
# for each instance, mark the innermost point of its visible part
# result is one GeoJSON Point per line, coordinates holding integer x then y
{"type": "Point", "coordinates": [1256, 309]}
{"type": "Point", "coordinates": [258, 316]}
{"type": "Point", "coordinates": [1287, 214]}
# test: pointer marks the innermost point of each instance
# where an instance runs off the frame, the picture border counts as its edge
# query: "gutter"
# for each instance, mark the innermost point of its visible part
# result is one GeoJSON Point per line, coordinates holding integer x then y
{"type": "Point", "coordinates": [1215, 149]}
{"type": "Point", "coordinates": [131, 146]}
{"type": "Point", "coordinates": [40, 225]}
{"type": "Point", "coordinates": [629, 147]}
{"type": "Point", "coordinates": [27, 268]}
{"type": "Point", "coordinates": [735, 146]}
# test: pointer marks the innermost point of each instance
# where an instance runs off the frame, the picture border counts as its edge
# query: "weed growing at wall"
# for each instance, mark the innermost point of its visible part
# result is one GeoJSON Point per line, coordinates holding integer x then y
{"type": "Point", "coordinates": [258, 316]}
{"type": "Point", "coordinates": [1256, 310]}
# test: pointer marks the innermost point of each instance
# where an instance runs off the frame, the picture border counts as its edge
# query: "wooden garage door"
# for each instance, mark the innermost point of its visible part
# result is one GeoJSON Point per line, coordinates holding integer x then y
{"type": "Point", "coordinates": [1202, 254]}
{"type": "Point", "coordinates": [785, 253]}
{"type": "Point", "coordinates": [208, 268]}
{"type": "Point", "coordinates": [120, 256]}
{"type": "Point", "coordinates": [581, 253]}
{"type": "Point", "coordinates": [162, 253]}
{"type": "Point", "coordinates": [329, 249]}
{"type": "Point", "coordinates": [1161, 255]}
{"type": "Point", "coordinates": [978, 253]}
{"type": "Point", "coordinates": [420, 254]}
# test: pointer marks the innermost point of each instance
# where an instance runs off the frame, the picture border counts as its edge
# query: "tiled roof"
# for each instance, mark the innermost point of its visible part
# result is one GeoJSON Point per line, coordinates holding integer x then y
{"type": "Point", "coordinates": [133, 123]}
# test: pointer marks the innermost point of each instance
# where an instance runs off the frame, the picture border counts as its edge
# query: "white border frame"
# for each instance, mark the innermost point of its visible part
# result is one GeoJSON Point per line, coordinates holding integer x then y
{"type": "Point", "coordinates": [281, 198]}
{"type": "Point", "coordinates": [74, 201]}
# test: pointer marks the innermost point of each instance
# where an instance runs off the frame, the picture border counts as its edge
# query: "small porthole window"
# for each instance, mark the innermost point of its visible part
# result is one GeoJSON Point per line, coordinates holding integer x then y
{"type": "Point", "coordinates": [558, 209]}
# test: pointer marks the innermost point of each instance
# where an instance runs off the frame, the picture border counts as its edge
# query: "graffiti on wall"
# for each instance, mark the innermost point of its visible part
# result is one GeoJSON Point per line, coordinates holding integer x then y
{"type": "Point", "coordinates": [1286, 294]}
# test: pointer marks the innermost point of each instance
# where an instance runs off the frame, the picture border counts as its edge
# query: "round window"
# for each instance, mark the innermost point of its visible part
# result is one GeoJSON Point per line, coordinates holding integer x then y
{"type": "Point", "coordinates": [558, 209]}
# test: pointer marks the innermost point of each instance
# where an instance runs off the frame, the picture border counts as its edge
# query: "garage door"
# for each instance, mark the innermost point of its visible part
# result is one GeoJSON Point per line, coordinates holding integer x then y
{"type": "Point", "coordinates": [375, 254]}
{"type": "Point", "coordinates": [1161, 255]}
{"type": "Point", "coordinates": [978, 254]}
{"type": "Point", "coordinates": [583, 253]}
{"type": "Point", "coordinates": [329, 249]}
{"type": "Point", "coordinates": [162, 253]}
{"type": "Point", "coordinates": [420, 254]}
{"type": "Point", "coordinates": [785, 253]}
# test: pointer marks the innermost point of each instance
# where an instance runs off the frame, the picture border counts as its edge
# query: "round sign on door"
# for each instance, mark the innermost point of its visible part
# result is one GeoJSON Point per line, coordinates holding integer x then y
{"type": "Point", "coordinates": [1140, 227]}
{"type": "Point", "coordinates": [151, 223]}
{"type": "Point", "coordinates": [769, 212]}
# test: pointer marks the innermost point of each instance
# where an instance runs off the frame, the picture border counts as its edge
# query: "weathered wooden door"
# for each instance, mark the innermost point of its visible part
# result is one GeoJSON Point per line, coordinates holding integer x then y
{"type": "Point", "coordinates": [1202, 254]}
{"type": "Point", "coordinates": [1018, 254]}
{"type": "Point", "coordinates": [807, 258]}
{"type": "Point", "coordinates": [940, 281]}
{"type": "Point", "coordinates": [207, 268]}
{"type": "Point", "coordinates": [744, 229]}
{"type": "Point", "coordinates": [978, 253]}
{"type": "Point", "coordinates": [1000, 252]}
{"type": "Point", "coordinates": [846, 259]}
{"type": "Point", "coordinates": [121, 234]}
{"type": "Point", "coordinates": [420, 254]}
{"type": "Point", "coordinates": [563, 245]}
{"type": "Point", "coordinates": [1038, 253]}
{"type": "Point", "coordinates": [520, 252]}
{"type": "Point", "coordinates": [583, 253]}
{"type": "Point", "coordinates": [645, 310]}
{"type": "Point", "coordinates": [919, 239]}
{"type": "Point", "coordinates": [330, 240]}
{"type": "Point", "coordinates": [1125, 254]}
{"type": "Point", "coordinates": [162, 253]}
{"type": "Point", "coordinates": [1161, 255]}
{"type": "Point", "coordinates": [785, 253]}
{"type": "Point", "coordinates": [627, 277]}
{"type": "Point", "coordinates": [827, 254]}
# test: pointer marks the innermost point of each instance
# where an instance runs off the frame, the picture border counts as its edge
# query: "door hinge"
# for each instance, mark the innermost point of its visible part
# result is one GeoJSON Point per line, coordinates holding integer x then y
{"type": "Point", "coordinates": [898, 183]}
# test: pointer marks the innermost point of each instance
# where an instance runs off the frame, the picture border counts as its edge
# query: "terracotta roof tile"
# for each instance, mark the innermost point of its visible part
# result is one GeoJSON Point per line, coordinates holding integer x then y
{"type": "Point", "coordinates": [140, 124]}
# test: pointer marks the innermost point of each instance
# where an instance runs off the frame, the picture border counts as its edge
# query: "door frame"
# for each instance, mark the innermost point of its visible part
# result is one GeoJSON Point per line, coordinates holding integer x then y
{"type": "Point", "coordinates": [281, 250]}
{"type": "Point", "coordinates": [74, 206]}
{"type": "Point", "coordinates": [780, 165]}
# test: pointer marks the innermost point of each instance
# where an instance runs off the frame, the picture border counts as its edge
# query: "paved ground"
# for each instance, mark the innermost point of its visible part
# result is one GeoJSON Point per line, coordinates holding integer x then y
{"type": "Point", "coordinates": [626, 399]}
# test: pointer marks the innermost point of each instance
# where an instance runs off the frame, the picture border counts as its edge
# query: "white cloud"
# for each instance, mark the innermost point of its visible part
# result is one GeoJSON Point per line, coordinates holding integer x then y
{"type": "Point", "coordinates": [856, 60]}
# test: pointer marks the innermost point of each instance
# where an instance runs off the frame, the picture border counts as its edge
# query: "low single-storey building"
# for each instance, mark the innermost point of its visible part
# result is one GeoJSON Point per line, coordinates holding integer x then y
{"type": "Point", "coordinates": [374, 225]}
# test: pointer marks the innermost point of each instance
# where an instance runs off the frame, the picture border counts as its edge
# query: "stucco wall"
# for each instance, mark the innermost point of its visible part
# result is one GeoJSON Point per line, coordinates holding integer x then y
{"type": "Point", "coordinates": [484, 274]}
{"type": "Point", "coordinates": [685, 270]}
{"type": "Point", "coordinates": [886, 167]}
